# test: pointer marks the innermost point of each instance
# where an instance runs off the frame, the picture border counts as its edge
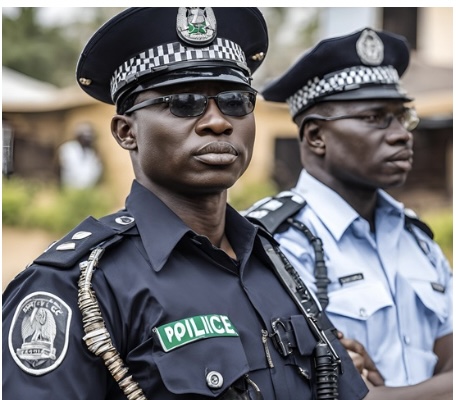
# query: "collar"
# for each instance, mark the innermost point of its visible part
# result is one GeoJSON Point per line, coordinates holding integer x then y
{"type": "Point", "coordinates": [161, 229]}
{"type": "Point", "coordinates": [323, 199]}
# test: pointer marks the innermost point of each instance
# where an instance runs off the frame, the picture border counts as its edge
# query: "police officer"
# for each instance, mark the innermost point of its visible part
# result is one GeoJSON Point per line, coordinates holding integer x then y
{"type": "Point", "coordinates": [177, 296]}
{"type": "Point", "coordinates": [385, 282]}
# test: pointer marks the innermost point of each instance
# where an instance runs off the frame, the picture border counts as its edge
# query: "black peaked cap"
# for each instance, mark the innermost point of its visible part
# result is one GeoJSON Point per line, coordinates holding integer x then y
{"type": "Point", "coordinates": [366, 64]}
{"type": "Point", "coordinates": [152, 44]}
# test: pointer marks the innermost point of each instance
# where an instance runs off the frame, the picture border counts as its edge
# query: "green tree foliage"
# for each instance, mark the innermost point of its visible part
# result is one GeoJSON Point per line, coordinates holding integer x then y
{"type": "Point", "coordinates": [44, 53]}
{"type": "Point", "coordinates": [35, 205]}
{"type": "Point", "coordinates": [48, 53]}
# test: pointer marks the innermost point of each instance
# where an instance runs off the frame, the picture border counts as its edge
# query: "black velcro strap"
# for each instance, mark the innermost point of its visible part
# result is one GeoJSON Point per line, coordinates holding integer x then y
{"type": "Point", "coordinates": [419, 224]}
{"type": "Point", "coordinates": [274, 212]}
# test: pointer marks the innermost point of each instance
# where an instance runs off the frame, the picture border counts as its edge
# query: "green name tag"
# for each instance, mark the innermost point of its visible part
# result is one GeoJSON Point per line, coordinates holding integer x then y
{"type": "Point", "coordinates": [180, 333]}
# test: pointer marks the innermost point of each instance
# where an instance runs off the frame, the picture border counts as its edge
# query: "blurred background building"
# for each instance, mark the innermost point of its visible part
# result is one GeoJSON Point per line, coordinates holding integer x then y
{"type": "Point", "coordinates": [42, 104]}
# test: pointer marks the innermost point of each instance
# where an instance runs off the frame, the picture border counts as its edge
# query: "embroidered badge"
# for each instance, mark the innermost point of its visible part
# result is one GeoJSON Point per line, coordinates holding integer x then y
{"type": "Point", "coordinates": [196, 25]}
{"type": "Point", "coordinates": [179, 333]}
{"type": "Point", "coordinates": [351, 278]}
{"type": "Point", "coordinates": [38, 336]}
{"type": "Point", "coordinates": [370, 48]}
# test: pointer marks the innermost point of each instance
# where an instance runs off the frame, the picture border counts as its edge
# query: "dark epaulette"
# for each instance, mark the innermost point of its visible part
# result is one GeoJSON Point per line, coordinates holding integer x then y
{"type": "Point", "coordinates": [90, 233]}
{"type": "Point", "coordinates": [271, 212]}
{"type": "Point", "coordinates": [412, 219]}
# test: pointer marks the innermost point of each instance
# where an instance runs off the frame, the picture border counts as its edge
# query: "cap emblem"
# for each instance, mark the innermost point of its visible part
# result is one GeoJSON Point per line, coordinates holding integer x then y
{"type": "Point", "coordinates": [370, 48]}
{"type": "Point", "coordinates": [196, 25]}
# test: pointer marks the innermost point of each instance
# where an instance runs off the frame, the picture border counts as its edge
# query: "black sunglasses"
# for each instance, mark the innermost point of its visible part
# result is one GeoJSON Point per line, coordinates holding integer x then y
{"type": "Point", "coordinates": [234, 103]}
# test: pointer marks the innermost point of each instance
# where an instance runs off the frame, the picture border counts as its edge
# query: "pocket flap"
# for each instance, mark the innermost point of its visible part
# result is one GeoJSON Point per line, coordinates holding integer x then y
{"type": "Point", "coordinates": [432, 299]}
{"type": "Point", "coordinates": [360, 301]}
{"type": "Point", "coordinates": [207, 367]}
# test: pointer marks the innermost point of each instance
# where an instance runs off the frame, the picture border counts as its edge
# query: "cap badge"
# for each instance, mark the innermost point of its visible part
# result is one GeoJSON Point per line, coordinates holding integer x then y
{"type": "Point", "coordinates": [196, 25]}
{"type": "Point", "coordinates": [370, 48]}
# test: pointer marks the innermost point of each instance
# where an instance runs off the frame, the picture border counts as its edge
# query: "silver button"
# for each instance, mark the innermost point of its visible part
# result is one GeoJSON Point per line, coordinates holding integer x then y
{"type": "Point", "coordinates": [362, 312]}
{"type": "Point", "coordinates": [214, 380]}
{"type": "Point", "coordinates": [124, 220]}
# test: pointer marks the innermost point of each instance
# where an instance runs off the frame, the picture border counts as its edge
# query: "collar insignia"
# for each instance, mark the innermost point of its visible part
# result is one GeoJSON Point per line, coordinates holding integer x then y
{"type": "Point", "coordinates": [196, 26]}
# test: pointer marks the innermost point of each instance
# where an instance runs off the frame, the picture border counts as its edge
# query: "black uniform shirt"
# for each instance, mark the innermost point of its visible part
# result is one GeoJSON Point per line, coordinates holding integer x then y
{"type": "Point", "coordinates": [188, 321]}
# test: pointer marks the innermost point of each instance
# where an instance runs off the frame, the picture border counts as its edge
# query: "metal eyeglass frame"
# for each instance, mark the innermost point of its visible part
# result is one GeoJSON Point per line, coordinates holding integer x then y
{"type": "Point", "coordinates": [408, 119]}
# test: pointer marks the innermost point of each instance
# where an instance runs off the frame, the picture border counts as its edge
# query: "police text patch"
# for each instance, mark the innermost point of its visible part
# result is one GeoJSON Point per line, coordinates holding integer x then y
{"type": "Point", "coordinates": [180, 333]}
{"type": "Point", "coordinates": [38, 336]}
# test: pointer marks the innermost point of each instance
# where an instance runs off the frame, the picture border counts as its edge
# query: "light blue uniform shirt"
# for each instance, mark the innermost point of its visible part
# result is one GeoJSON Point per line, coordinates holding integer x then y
{"type": "Point", "coordinates": [384, 291]}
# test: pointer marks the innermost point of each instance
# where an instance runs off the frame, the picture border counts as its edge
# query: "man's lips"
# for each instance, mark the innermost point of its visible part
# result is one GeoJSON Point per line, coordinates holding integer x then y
{"type": "Point", "coordinates": [402, 159]}
{"type": "Point", "coordinates": [403, 155]}
{"type": "Point", "coordinates": [217, 153]}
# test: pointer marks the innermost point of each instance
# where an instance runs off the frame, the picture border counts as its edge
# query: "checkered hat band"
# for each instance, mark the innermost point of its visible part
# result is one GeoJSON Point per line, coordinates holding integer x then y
{"type": "Point", "coordinates": [221, 49]}
{"type": "Point", "coordinates": [341, 81]}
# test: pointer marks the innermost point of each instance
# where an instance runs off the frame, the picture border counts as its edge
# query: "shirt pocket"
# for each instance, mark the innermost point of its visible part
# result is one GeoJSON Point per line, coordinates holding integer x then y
{"type": "Point", "coordinates": [361, 311]}
{"type": "Point", "coordinates": [434, 301]}
{"type": "Point", "coordinates": [359, 302]}
{"type": "Point", "coordinates": [206, 367]}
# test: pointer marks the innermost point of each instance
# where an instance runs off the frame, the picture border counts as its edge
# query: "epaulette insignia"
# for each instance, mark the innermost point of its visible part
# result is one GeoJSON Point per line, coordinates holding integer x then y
{"type": "Point", "coordinates": [88, 234]}
{"type": "Point", "coordinates": [272, 212]}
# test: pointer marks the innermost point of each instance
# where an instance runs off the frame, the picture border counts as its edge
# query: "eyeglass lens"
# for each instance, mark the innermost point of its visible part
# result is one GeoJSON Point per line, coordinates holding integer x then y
{"type": "Point", "coordinates": [232, 103]}
{"type": "Point", "coordinates": [236, 104]}
{"type": "Point", "coordinates": [407, 118]}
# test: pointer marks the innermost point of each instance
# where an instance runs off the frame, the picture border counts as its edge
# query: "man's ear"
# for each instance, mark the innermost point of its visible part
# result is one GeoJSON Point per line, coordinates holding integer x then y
{"type": "Point", "coordinates": [121, 129]}
{"type": "Point", "coordinates": [314, 138]}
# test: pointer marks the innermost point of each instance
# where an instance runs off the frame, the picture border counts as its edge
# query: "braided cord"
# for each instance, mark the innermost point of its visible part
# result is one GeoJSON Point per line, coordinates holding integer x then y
{"type": "Point", "coordinates": [97, 337]}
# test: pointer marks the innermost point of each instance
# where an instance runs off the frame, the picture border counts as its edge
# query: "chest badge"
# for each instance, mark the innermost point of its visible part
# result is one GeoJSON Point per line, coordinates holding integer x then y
{"type": "Point", "coordinates": [38, 337]}
{"type": "Point", "coordinates": [196, 25]}
{"type": "Point", "coordinates": [179, 333]}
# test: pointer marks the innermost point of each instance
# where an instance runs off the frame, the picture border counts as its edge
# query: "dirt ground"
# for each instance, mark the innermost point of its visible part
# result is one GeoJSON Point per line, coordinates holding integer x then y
{"type": "Point", "coordinates": [19, 248]}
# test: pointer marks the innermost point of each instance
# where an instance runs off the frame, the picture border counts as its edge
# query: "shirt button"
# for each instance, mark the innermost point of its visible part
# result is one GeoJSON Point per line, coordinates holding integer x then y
{"type": "Point", "coordinates": [362, 312]}
{"type": "Point", "coordinates": [214, 380]}
{"type": "Point", "coordinates": [406, 339]}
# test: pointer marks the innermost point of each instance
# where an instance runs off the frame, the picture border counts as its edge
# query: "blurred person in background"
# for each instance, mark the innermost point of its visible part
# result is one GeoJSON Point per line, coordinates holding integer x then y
{"type": "Point", "coordinates": [80, 166]}
{"type": "Point", "coordinates": [383, 281]}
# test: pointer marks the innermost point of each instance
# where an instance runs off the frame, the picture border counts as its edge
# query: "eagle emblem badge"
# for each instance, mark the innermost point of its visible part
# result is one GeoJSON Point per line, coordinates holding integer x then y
{"type": "Point", "coordinates": [369, 48]}
{"type": "Point", "coordinates": [38, 337]}
{"type": "Point", "coordinates": [196, 25]}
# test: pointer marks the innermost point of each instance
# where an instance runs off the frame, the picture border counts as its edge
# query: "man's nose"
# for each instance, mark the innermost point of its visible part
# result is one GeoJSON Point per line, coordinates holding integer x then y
{"type": "Point", "coordinates": [213, 121]}
{"type": "Point", "coordinates": [397, 132]}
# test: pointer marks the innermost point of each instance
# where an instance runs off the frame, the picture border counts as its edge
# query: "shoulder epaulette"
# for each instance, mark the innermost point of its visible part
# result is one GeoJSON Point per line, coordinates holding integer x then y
{"type": "Point", "coordinates": [412, 219]}
{"type": "Point", "coordinates": [271, 212]}
{"type": "Point", "coordinates": [88, 234]}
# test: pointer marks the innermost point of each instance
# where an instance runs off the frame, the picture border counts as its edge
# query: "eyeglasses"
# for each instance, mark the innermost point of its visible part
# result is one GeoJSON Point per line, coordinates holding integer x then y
{"type": "Point", "coordinates": [407, 117]}
{"type": "Point", "coordinates": [233, 103]}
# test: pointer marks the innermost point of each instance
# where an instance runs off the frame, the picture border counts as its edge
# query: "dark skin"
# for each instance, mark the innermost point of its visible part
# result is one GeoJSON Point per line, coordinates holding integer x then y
{"type": "Point", "coordinates": [189, 163]}
{"type": "Point", "coordinates": [355, 160]}
{"type": "Point", "coordinates": [335, 150]}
